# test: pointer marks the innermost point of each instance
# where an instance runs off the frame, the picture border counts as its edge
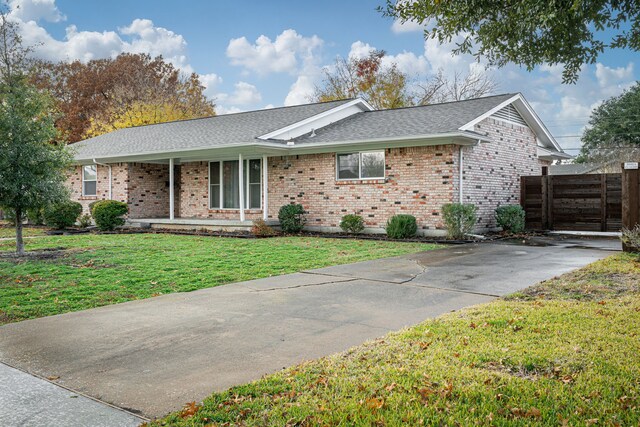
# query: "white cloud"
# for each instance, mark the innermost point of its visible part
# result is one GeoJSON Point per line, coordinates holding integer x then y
{"type": "Point", "coordinates": [210, 81]}
{"type": "Point", "coordinates": [265, 56]}
{"type": "Point", "coordinates": [34, 10]}
{"type": "Point", "coordinates": [360, 50]}
{"type": "Point", "coordinates": [301, 90]}
{"type": "Point", "coordinates": [148, 38]}
{"type": "Point", "coordinates": [227, 110]}
{"type": "Point", "coordinates": [244, 94]}
{"type": "Point", "coordinates": [399, 27]}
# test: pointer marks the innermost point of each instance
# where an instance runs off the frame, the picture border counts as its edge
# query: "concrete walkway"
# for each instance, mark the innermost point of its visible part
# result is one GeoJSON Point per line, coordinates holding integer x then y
{"type": "Point", "coordinates": [29, 401]}
{"type": "Point", "coordinates": [152, 356]}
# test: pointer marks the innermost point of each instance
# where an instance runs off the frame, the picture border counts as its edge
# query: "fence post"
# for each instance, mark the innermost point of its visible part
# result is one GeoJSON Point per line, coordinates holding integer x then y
{"type": "Point", "coordinates": [630, 200]}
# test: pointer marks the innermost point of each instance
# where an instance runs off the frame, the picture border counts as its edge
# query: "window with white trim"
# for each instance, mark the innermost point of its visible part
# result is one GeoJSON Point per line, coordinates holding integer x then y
{"type": "Point", "coordinates": [224, 184]}
{"type": "Point", "coordinates": [362, 165]}
{"type": "Point", "coordinates": [89, 180]}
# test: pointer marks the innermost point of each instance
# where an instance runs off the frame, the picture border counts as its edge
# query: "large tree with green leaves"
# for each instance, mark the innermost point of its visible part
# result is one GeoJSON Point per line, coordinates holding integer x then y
{"type": "Point", "coordinates": [528, 32]}
{"type": "Point", "coordinates": [612, 134]}
{"type": "Point", "coordinates": [32, 169]}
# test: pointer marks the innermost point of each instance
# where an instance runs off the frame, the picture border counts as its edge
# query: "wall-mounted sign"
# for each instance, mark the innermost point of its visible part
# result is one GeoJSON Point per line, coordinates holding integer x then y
{"type": "Point", "coordinates": [630, 165]}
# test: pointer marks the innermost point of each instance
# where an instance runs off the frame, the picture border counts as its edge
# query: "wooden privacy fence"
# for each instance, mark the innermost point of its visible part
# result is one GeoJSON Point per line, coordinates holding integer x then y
{"type": "Point", "coordinates": [572, 202]}
{"type": "Point", "coordinates": [630, 197]}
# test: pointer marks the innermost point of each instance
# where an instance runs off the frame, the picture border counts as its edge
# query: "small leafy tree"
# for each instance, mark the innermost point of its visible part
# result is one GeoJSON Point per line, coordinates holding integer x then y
{"type": "Point", "coordinates": [32, 170]}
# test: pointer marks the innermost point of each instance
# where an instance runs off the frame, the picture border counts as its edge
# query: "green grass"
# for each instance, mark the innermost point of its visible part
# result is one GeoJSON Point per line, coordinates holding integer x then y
{"type": "Point", "coordinates": [549, 358]}
{"type": "Point", "coordinates": [7, 231]}
{"type": "Point", "coordinates": [97, 270]}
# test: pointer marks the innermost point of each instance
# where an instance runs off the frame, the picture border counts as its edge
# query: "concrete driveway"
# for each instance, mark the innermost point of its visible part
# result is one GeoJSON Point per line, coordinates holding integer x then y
{"type": "Point", "coordinates": [152, 356]}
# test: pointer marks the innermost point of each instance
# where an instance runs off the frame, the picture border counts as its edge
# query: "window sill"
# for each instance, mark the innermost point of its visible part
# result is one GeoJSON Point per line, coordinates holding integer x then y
{"type": "Point", "coordinates": [360, 181]}
{"type": "Point", "coordinates": [88, 198]}
{"type": "Point", "coordinates": [231, 210]}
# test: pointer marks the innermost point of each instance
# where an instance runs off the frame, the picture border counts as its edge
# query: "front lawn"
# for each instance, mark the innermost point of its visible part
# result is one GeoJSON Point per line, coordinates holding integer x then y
{"type": "Point", "coordinates": [96, 270]}
{"type": "Point", "coordinates": [9, 231]}
{"type": "Point", "coordinates": [565, 353]}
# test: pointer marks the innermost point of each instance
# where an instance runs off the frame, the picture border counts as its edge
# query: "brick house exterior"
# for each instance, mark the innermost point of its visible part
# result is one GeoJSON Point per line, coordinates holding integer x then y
{"type": "Point", "coordinates": [420, 175]}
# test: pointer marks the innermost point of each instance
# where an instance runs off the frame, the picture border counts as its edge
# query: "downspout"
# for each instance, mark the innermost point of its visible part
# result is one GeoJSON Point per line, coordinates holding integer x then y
{"type": "Point", "coordinates": [110, 180]}
{"type": "Point", "coordinates": [460, 170]}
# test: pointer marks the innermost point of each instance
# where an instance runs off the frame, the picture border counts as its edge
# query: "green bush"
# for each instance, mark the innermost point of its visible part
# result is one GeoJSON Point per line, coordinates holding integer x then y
{"type": "Point", "coordinates": [35, 216]}
{"type": "Point", "coordinates": [291, 218]}
{"type": "Point", "coordinates": [84, 221]}
{"type": "Point", "coordinates": [91, 205]}
{"type": "Point", "coordinates": [401, 226]}
{"type": "Point", "coordinates": [108, 214]}
{"type": "Point", "coordinates": [62, 215]}
{"type": "Point", "coordinates": [352, 223]}
{"type": "Point", "coordinates": [511, 218]}
{"type": "Point", "coordinates": [459, 219]}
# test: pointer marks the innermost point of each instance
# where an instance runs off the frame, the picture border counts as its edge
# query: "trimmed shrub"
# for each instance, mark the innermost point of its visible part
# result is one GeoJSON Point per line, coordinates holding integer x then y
{"type": "Point", "coordinates": [62, 215]}
{"type": "Point", "coordinates": [291, 218]}
{"type": "Point", "coordinates": [459, 219]}
{"type": "Point", "coordinates": [511, 218]}
{"type": "Point", "coordinates": [84, 221]}
{"type": "Point", "coordinates": [91, 205]}
{"type": "Point", "coordinates": [35, 216]}
{"type": "Point", "coordinates": [261, 229]}
{"type": "Point", "coordinates": [631, 238]}
{"type": "Point", "coordinates": [352, 223]}
{"type": "Point", "coordinates": [108, 214]}
{"type": "Point", "coordinates": [401, 226]}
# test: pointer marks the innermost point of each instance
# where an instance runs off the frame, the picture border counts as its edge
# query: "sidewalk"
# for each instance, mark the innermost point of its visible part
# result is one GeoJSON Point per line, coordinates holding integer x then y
{"type": "Point", "coordinates": [26, 400]}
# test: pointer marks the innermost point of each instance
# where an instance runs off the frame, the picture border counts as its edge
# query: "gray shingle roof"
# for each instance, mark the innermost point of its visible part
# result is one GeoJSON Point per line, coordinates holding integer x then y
{"type": "Point", "coordinates": [245, 128]}
{"type": "Point", "coordinates": [198, 133]}
{"type": "Point", "coordinates": [411, 121]}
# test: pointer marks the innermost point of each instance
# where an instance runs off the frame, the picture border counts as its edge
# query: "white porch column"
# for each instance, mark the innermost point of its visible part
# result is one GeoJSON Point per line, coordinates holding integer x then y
{"type": "Point", "coordinates": [241, 184]}
{"type": "Point", "coordinates": [171, 195]}
{"type": "Point", "coordinates": [265, 188]}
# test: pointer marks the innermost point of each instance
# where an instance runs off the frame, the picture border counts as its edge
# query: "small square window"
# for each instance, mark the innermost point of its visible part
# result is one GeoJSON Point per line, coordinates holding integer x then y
{"type": "Point", "coordinates": [364, 165]}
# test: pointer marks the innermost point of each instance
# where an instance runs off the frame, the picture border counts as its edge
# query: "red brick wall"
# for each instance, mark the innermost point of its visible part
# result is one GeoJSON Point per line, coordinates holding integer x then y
{"type": "Point", "coordinates": [148, 190]}
{"type": "Point", "coordinates": [194, 195]}
{"type": "Point", "coordinates": [492, 170]}
{"type": "Point", "coordinates": [419, 180]}
{"type": "Point", "coordinates": [120, 177]}
{"type": "Point", "coordinates": [143, 186]}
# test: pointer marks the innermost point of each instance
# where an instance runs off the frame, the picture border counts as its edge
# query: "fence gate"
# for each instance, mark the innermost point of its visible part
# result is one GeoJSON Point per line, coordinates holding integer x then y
{"type": "Point", "coordinates": [572, 202]}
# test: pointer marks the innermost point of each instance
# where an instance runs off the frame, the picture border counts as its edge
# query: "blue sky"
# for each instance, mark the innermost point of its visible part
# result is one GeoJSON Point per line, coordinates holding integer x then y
{"type": "Point", "coordinates": [257, 54]}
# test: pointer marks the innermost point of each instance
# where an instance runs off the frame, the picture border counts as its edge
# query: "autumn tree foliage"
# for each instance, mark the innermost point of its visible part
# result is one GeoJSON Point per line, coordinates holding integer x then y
{"type": "Point", "coordinates": [130, 90]}
{"type": "Point", "coordinates": [384, 86]}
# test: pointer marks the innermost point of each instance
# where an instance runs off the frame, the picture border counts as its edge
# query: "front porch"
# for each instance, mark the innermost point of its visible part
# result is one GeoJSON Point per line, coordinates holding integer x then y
{"type": "Point", "coordinates": [194, 224]}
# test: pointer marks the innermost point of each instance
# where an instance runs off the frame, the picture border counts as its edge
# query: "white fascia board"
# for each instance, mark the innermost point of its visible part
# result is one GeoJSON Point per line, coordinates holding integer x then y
{"type": "Point", "coordinates": [529, 116]}
{"type": "Point", "coordinates": [319, 120]}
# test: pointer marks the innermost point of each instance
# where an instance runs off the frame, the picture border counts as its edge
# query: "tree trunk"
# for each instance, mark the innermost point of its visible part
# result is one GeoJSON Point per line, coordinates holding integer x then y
{"type": "Point", "coordinates": [19, 240]}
